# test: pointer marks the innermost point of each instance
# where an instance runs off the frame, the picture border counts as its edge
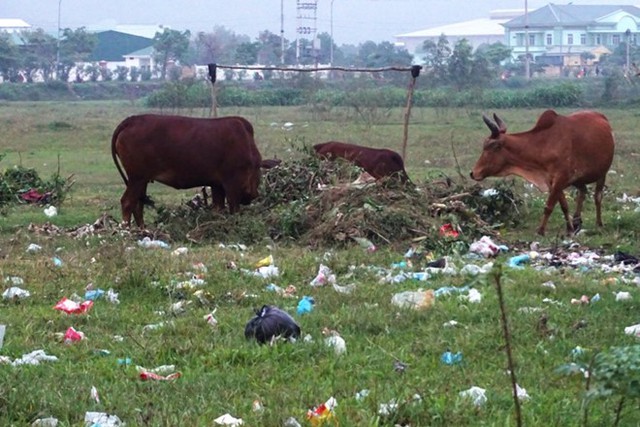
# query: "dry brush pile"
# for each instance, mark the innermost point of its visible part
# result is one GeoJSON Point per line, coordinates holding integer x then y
{"type": "Point", "coordinates": [316, 203]}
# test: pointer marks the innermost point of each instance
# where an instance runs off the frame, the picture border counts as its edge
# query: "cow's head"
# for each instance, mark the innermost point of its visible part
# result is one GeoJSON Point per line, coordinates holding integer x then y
{"type": "Point", "coordinates": [492, 160]}
{"type": "Point", "coordinates": [251, 184]}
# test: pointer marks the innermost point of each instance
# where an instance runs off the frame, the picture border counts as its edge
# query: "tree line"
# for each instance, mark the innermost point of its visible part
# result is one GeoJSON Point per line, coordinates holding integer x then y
{"type": "Point", "coordinates": [30, 54]}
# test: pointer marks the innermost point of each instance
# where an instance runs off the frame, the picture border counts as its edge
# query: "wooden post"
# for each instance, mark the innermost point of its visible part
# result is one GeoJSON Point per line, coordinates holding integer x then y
{"type": "Point", "coordinates": [212, 78]}
{"type": "Point", "coordinates": [415, 72]}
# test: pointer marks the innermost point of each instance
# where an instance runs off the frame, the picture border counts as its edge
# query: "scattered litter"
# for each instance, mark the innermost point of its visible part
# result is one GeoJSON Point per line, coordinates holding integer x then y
{"type": "Point", "coordinates": [583, 300]}
{"type": "Point", "coordinates": [324, 276]}
{"type": "Point", "coordinates": [72, 307]}
{"type": "Point", "coordinates": [450, 324]}
{"type": "Point", "coordinates": [180, 251]}
{"type": "Point", "coordinates": [474, 270]}
{"type": "Point", "coordinates": [101, 419]}
{"type": "Point", "coordinates": [362, 394]}
{"type": "Point", "coordinates": [448, 290]}
{"type": "Point", "coordinates": [267, 271]}
{"type": "Point", "coordinates": [291, 422]}
{"type": "Point", "coordinates": [399, 366]}
{"type": "Point", "coordinates": [45, 422]}
{"type": "Point", "coordinates": [323, 414]}
{"type": "Point", "coordinates": [179, 307]}
{"type": "Point", "coordinates": [386, 409]}
{"type": "Point", "coordinates": [336, 341]}
{"type": "Point", "coordinates": [269, 323]}
{"type": "Point", "coordinates": [305, 305]}
{"type": "Point", "coordinates": [490, 192]}
{"type": "Point", "coordinates": [71, 335]}
{"type": "Point", "coordinates": [449, 358]}
{"type": "Point", "coordinates": [160, 370]}
{"type": "Point", "coordinates": [576, 352]}
{"type": "Point", "coordinates": [521, 393]}
{"type": "Point", "coordinates": [622, 296]}
{"type": "Point", "coordinates": [211, 320]}
{"type": "Point", "coordinates": [595, 298]}
{"type": "Point", "coordinates": [257, 406]}
{"type": "Point", "coordinates": [633, 330]}
{"type": "Point", "coordinates": [124, 361]}
{"type": "Point", "coordinates": [112, 297]}
{"type": "Point", "coordinates": [549, 285]}
{"type": "Point", "coordinates": [476, 394]}
{"type": "Point", "coordinates": [365, 243]}
{"type": "Point", "coordinates": [485, 247]}
{"type": "Point", "coordinates": [447, 230]}
{"type": "Point", "coordinates": [146, 376]}
{"type": "Point", "coordinates": [56, 261]}
{"type": "Point", "coordinates": [51, 211]}
{"type": "Point", "coordinates": [148, 243]}
{"type": "Point", "coordinates": [3, 328]}
{"type": "Point", "coordinates": [16, 293]}
{"type": "Point", "coordinates": [228, 420]}
{"type": "Point", "coordinates": [264, 262]}
{"type": "Point", "coordinates": [518, 260]}
{"type": "Point", "coordinates": [153, 326]}
{"type": "Point", "coordinates": [33, 248]}
{"type": "Point", "coordinates": [418, 300]}
{"type": "Point", "coordinates": [94, 394]}
{"type": "Point", "coordinates": [474, 296]}
{"type": "Point", "coordinates": [34, 358]}
{"type": "Point", "coordinates": [347, 289]}
{"type": "Point", "coordinates": [93, 294]}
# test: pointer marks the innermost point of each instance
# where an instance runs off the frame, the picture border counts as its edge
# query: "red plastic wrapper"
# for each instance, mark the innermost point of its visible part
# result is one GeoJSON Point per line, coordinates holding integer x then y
{"type": "Point", "coordinates": [447, 230]}
{"type": "Point", "coordinates": [146, 375]}
{"type": "Point", "coordinates": [71, 307]}
{"type": "Point", "coordinates": [72, 335]}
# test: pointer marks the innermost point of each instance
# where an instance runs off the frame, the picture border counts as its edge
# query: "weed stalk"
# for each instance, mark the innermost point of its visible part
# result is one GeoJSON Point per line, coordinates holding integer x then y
{"type": "Point", "coordinates": [497, 275]}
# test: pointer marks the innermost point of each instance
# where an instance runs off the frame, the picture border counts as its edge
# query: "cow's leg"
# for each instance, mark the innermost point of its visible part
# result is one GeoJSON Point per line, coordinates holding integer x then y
{"type": "Point", "coordinates": [217, 196]}
{"type": "Point", "coordinates": [204, 196]}
{"type": "Point", "coordinates": [554, 197]}
{"type": "Point", "coordinates": [577, 216]}
{"type": "Point", "coordinates": [565, 211]}
{"type": "Point", "coordinates": [138, 211]}
{"type": "Point", "coordinates": [597, 197]}
{"type": "Point", "coordinates": [131, 202]}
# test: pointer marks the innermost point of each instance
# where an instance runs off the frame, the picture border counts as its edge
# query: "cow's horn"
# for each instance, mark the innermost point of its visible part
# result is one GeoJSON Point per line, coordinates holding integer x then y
{"type": "Point", "coordinates": [501, 125]}
{"type": "Point", "coordinates": [492, 126]}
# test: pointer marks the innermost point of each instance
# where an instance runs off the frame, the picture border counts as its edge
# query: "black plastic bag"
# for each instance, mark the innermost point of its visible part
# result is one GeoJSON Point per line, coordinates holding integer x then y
{"type": "Point", "coordinates": [270, 322]}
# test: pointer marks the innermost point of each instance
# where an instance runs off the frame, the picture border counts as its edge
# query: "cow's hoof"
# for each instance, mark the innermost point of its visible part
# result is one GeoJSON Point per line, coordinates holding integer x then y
{"type": "Point", "coordinates": [540, 231]}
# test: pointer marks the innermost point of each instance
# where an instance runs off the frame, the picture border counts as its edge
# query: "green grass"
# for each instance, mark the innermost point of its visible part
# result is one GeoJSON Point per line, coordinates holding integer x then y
{"type": "Point", "coordinates": [221, 371]}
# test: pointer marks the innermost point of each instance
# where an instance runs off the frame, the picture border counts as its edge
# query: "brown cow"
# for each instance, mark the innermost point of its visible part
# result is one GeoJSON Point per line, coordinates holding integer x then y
{"type": "Point", "coordinates": [379, 162]}
{"type": "Point", "coordinates": [186, 152]}
{"type": "Point", "coordinates": [560, 151]}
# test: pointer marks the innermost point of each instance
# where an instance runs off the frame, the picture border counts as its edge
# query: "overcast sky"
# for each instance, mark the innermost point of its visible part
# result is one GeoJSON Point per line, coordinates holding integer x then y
{"type": "Point", "coordinates": [354, 21]}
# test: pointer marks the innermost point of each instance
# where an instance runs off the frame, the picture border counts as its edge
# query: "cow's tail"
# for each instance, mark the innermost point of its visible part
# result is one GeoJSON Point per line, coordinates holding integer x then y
{"type": "Point", "coordinates": [114, 152]}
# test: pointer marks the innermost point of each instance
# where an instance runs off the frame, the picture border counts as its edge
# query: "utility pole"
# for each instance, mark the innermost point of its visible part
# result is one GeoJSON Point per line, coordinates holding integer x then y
{"type": "Point", "coordinates": [282, 32]}
{"type": "Point", "coordinates": [58, 42]}
{"type": "Point", "coordinates": [628, 34]}
{"type": "Point", "coordinates": [527, 70]}
{"type": "Point", "coordinates": [331, 48]}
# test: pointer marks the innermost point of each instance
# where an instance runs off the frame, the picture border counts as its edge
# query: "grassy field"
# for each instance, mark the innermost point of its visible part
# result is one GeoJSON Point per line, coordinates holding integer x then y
{"type": "Point", "coordinates": [221, 372]}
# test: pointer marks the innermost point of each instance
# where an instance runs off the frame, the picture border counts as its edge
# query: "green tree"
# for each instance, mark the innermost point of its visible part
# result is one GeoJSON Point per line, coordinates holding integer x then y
{"type": "Point", "coordinates": [170, 45]}
{"type": "Point", "coordinates": [269, 48]}
{"type": "Point", "coordinates": [436, 57]}
{"type": "Point", "coordinates": [9, 58]}
{"type": "Point", "coordinates": [460, 65]}
{"type": "Point", "coordinates": [75, 46]}
{"type": "Point", "coordinates": [218, 46]}
{"type": "Point", "coordinates": [247, 53]}
{"type": "Point", "coordinates": [38, 52]}
{"type": "Point", "coordinates": [488, 59]}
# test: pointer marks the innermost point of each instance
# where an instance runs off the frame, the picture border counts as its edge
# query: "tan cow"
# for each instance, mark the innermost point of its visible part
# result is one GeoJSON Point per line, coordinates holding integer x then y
{"type": "Point", "coordinates": [560, 151]}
